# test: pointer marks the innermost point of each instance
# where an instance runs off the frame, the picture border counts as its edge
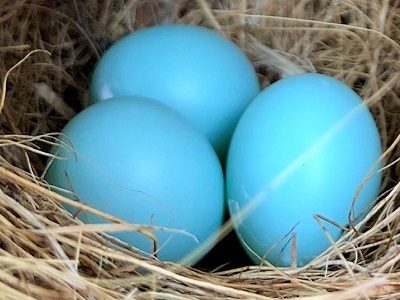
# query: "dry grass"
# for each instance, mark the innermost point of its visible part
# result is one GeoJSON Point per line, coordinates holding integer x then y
{"type": "Point", "coordinates": [47, 254]}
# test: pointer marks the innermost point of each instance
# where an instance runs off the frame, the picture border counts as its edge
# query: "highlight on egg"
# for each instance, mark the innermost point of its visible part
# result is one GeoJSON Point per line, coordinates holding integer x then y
{"type": "Point", "coordinates": [305, 149]}
{"type": "Point", "coordinates": [141, 161]}
{"type": "Point", "coordinates": [195, 70]}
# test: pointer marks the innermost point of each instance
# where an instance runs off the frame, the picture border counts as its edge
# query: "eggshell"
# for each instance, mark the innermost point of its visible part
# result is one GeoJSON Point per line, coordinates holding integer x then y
{"type": "Point", "coordinates": [141, 161]}
{"type": "Point", "coordinates": [302, 148]}
{"type": "Point", "coordinates": [195, 70]}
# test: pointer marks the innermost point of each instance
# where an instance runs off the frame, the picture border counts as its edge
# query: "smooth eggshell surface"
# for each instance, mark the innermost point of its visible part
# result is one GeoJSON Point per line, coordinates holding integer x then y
{"type": "Point", "coordinates": [195, 70]}
{"type": "Point", "coordinates": [302, 148]}
{"type": "Point", "coordinates": [141, 161]}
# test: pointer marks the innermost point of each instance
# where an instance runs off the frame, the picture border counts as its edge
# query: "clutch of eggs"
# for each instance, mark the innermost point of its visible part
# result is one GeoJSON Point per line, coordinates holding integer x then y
{"type": "Point", "coordinates": [165, 103]}
{"type": "Point", "coordinates": [141, 161]}
{"type": "Point", "coordinates": [301, 150]}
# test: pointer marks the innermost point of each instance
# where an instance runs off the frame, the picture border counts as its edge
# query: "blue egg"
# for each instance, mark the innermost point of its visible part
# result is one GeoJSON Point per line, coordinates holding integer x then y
{"type": "Point", "coordinates": [195, 70]}
{"type": "Point", "coordinates": [301, 149]}
{"type": "Point", "coordinates": [141, 161]}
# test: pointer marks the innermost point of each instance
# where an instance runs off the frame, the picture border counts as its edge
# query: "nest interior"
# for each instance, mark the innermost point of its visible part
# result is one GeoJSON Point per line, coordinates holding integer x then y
{"type": "Point", "coordinates": [47, 52]}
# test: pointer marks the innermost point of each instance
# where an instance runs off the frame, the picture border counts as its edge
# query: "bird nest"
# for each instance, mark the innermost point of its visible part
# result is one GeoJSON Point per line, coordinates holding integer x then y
{"type": "Point", "coordinates": [48, 51]}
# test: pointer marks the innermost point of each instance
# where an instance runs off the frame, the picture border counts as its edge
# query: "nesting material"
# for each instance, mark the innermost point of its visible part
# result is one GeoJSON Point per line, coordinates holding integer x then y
{"type": "Point", "coordinates": [46, 253]}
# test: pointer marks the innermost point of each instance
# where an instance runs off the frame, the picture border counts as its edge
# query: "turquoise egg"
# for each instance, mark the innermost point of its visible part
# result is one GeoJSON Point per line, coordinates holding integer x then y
{"type": "Point", "coordinates": [195, 70]}
{"type": "Point", "coordinates": [301, 150]}
{"type": "Point", "coordinates": [141, 161]}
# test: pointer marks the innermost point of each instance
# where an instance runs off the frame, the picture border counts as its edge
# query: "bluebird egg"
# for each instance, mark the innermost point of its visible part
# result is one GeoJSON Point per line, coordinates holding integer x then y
{"type": "Point", "coordinates": [305, 149]}
{"type": "Point", "coordinates": [195, 70]}
{"type": "Point", "coordinates": [141, 161]}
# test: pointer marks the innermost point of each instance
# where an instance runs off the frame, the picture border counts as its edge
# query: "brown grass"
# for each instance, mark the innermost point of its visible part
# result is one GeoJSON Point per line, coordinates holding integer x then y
{"type": "Point", "coordinates": [47, 254]}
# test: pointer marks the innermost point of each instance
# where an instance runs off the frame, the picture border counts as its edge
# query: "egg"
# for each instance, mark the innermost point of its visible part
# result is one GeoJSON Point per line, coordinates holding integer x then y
{"type": "Point", "coordinates": [141, 161]}
{"type": "Point", "coordinates": [300, 151]}
{"type": "Point", "coordinates": [195, 70]}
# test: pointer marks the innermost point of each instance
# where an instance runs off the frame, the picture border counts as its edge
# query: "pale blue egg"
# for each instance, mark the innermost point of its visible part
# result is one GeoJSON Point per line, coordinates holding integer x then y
{"type": "Point", "coordinates": [195, 70]}
{"type": "Point", "coordinates": [141, 161]}
{"type": "Point", "coordinates": [302, 148]}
